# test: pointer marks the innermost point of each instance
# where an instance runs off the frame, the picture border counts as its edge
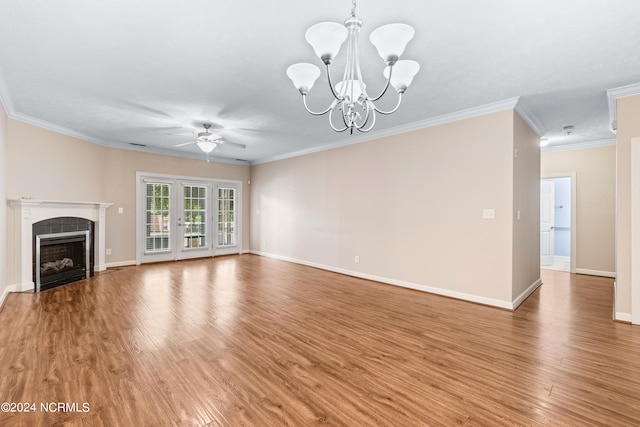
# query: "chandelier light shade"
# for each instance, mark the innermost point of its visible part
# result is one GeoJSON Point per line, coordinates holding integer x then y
{"type": "Point", "coordinates": [391, 40]}
{"type": "Point", "coordinates": [356, 107]}
{"type": "Point", "coordinates": [326, 38]}
{"type": "Point", "coordinates": [403, 73]}
{"type": "Point", "coordinates": [303, 75]}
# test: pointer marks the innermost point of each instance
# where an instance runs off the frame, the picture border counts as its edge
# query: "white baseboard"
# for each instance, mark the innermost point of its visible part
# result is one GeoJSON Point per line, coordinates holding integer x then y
{"type": "Point", "coordinates": [15, 288]}
{"type": "Point", "coordinates": [433, 290]}
{"type": "Point", "coordinates": [523, 296]}
{"type": "Point", "coordinates": [595, 272]}
{"type": "Point", "coordinates": [623, 317]}
{"type": "Point", "coordinates": [120, 264]}
{"type": "Point", "coordinates": [4, 295]}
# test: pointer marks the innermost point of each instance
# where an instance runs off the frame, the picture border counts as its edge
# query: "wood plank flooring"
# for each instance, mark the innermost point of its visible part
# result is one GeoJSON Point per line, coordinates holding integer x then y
{"type": "Point", "coordinates": [251, 341]}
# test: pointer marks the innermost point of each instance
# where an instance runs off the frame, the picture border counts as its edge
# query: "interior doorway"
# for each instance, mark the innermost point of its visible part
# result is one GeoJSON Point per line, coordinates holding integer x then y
{"type": "Point", "coordinates": [557, 223]}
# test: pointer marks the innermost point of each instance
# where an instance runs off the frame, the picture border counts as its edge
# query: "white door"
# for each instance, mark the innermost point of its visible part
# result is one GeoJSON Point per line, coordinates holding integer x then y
{"type": "Point", "coordinates": [547, 213]}
{"type": "Point", "coordinates": [194, 231]}
{"type": "Point", "coordinates": [176, 220]}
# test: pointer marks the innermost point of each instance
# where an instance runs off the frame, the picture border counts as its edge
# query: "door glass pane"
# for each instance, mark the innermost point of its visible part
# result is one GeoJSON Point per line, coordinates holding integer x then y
{"type": "Point", "coordinates": [195, 217]}
{"type": "Point", "coordinates": [157, 236]}
{"type": "Point", "coordinates": [226, 217]}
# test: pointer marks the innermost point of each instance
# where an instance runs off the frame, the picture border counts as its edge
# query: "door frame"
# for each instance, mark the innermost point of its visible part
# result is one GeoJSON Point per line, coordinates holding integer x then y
{"type": "Point", "coordinates": [574, 229]}
{"type": "Point", "coordinates": [547, 212]}
{"type": "Point", "coordinates": [212, 197]}
{"type": "Point", "coordinates": [635, 235]}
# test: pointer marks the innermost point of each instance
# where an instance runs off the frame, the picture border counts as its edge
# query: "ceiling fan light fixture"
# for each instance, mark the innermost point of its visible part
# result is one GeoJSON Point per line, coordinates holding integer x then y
{"type": "Point", "coordinates": [207, 146]}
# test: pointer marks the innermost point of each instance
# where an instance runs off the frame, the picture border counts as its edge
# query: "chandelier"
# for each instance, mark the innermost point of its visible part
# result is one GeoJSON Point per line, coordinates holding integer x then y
{"type": "Point", "coordinates": [356, 107]}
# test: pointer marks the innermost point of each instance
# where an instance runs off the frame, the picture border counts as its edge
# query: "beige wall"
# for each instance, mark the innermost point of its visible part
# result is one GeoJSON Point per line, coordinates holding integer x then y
{"type": "Point", "coordinates": [595, 170]}
{"type": "Point", "coordinates": [410, 206]}
{"type": "Point", "coordinates": [628, 128]}
{"type": "Point", "coordinates": [526, 199]}
{"type": "Point", "coordinates": [3, 204]}
{"type": "Point", "coordinates": [48, 165]}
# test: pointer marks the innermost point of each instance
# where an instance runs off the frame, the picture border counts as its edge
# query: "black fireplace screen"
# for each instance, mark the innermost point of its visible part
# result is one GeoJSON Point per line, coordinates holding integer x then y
{"type": "Point", "coordinates": [62, 251]}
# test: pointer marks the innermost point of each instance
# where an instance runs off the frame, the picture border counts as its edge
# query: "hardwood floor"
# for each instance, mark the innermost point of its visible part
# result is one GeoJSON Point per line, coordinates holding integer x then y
{"type": "Point", "coordinates": [247, 340]}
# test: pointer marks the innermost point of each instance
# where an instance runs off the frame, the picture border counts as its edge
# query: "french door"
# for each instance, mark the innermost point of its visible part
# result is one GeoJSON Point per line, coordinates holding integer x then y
{"type": "Point", "coordinates": [180, 218]}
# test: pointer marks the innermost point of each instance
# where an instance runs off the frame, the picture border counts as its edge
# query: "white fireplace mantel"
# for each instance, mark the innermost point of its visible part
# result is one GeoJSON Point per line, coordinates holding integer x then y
{"type": "Point", "coordinates": [30, 211]}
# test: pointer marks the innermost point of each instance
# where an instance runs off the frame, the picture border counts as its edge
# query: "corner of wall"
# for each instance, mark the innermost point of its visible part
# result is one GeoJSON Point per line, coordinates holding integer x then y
{"type": "Point", "coordinates": [3, 204]}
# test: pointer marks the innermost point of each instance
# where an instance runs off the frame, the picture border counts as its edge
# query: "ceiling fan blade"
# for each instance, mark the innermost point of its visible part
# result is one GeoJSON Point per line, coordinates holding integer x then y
{"type": "Point", "coordinates": [235, 144]}
{"type": "Point", "coordinates": [184, 143]}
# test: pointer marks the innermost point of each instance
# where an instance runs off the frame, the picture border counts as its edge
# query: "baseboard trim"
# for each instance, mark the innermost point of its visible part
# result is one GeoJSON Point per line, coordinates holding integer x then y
{"type": "Point", "coordinates": [424, 288]}
{"type": "Point", "coordinates": [523, 296]}
{"type": "Point", "coordinates": [14, 288]}
{"type": "Point", "coordinates": [595, 272]}
{"type": "Point", "coordinates": [4, 295]}
{"type": "Point", "coordinates": [623, 317]}
{"type": "Point", "coordinates": [121, 264]}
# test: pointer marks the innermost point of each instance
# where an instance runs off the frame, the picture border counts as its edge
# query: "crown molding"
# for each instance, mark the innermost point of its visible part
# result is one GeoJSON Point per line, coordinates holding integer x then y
{"type": "Point", "coordinates": [528, 116]}
{"type": "Point", "coordinates": [12, 114]}
{"type": "Point", "coordinates": [613, 95]}
{"type": "Point", "coordinates": [468, 113]}
{"type": "Point", "coordinates": [578, 145]}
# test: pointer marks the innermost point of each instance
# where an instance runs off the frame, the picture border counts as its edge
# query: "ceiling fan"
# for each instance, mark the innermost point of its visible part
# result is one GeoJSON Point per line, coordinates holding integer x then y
{"type": "Point", "coordinates": [208, 141]}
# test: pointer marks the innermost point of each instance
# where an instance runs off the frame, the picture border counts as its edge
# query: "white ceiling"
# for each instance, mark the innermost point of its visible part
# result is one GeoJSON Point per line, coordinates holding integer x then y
{"type": "Point", "coordinates": [140, 71]}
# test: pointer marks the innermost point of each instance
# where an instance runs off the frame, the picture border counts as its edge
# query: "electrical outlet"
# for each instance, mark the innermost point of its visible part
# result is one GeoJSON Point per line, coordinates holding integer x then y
{"type": "Point", "coordinates": [357, 259]}
{"type": "Point", "coordinates": [107, 251]}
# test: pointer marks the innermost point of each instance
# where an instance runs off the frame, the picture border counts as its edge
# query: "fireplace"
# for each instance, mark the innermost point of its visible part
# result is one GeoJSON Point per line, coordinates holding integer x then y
{"type": "Point", "coordinates": [62, 251]}
{"type": "Point", "coordinates": [42, 218]}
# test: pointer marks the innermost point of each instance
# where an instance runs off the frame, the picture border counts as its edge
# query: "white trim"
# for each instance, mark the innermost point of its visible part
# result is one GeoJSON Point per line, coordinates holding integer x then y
{"type": "Point", "coordinates": [574, 214]}
{"type": "Point", "coordinates": [121, 264]}
{"type": "Point", "coordinates": [635, 231]}
{"type": "Point", "coordinates": [596, 272]}
{"type": "Point", "coordinates": [24, 118]}
{"type": "Point", "coordinates": [422, 124]}
{"type": "Point", "coordinates": [4, 295]}
{"type": "Point", "coordinates": [578, 145]}
{"type": "Point", "coordinates": [613, 95]}
{"type": "Point", "coordinates": [419, 287]}
{"type": "Point", "coordinates": [623, 317]}
{"type": "Point", "coordinates": [524, 295]}
{"type": "Point", "coordinates": [528, 116]}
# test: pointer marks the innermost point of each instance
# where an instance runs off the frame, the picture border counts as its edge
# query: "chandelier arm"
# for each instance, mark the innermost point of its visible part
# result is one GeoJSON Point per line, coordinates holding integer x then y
{"type": "Point", "coordinates": [332, 125]}
{"type": "Point", "coordinates": [368, 110]}
{"type": "Point", "coordinates": [320, 113]}
{"type": "Point", "coordinates": [392, 111]}
{"type": "Point", "coordinates": [373, 122]}
{"type": "Point", "coordinates": [331, 86]}
{"type": "Point", "coordinates": [386, 86]}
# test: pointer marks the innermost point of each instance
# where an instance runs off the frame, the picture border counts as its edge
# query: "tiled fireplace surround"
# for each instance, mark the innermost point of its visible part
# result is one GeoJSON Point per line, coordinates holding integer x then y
{"type": "Point", "coordinates": [30, 211]}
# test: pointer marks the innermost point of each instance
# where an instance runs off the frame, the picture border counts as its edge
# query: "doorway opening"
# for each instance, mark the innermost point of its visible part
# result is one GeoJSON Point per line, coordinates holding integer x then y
{"type": "Point", "coordinates": [557, 223]}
